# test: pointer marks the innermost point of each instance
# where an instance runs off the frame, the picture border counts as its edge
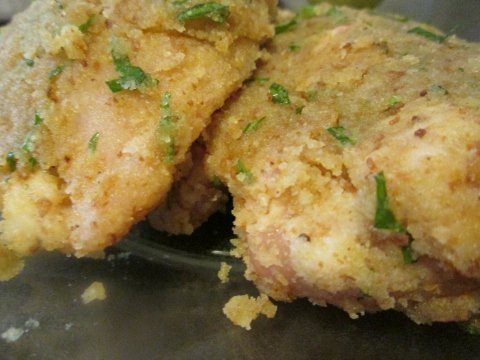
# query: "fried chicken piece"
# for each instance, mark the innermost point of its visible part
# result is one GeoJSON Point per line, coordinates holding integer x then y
{"type": "Point", "coordinates": [353, 161]}
{"type": "Point", "coordinates": [101, 100]}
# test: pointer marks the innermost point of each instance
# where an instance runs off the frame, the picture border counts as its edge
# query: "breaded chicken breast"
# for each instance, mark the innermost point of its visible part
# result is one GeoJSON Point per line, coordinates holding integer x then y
{"type": "Point", "coordinates": [101, 99]}
{"type": "Point", "coordinates": [353, 158]}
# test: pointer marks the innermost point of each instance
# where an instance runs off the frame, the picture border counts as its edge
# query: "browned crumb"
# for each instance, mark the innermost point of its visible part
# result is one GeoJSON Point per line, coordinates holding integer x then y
{"type": "Point", "coordinates": [10, 264]}
{"type": "Point", "coordinates": [243, 309]}
{"type": "Point", "coordinates": [238, 248]}
{"type": "Point", "coordinates": [96, 291]}
{"type": "Point", "coordinates": [224, 272]}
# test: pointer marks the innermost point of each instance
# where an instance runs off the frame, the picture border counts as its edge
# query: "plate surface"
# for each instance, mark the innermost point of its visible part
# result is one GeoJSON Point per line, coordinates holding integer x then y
{"type": "Point", "coordinates": [166, 303]}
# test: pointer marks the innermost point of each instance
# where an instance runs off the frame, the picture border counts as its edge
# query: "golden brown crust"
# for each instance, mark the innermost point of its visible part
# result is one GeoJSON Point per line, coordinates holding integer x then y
{"type": "Point", "coordinates": [77, 199]}
{"type": "Point", "coordinates": [305, 203]}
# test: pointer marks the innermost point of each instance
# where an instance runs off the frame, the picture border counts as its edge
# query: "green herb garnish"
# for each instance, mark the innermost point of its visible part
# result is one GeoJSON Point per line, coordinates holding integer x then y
{"type": "Point", "coordinates": [262, 79]}
{"type": "Point", "coordinates": [334, 12]}
{"type": "Point", "coordinates": [131, 77]}
{"type": "Point", "coordinates": [55, 72]}
{"type": "Point", "coordinates": [407, 252]}
{"type": "Point", "coordinates": [167, 127]}
{"type": "Point", "coordinates": [384, 216]}
{"type": "Point", "coordinates": [28, 150]}
{"type": "Point", "coordinates": [339, 134]}
{"type": "Point", "coordinates": [439, 89]}
{"type": "Point", "coordinates": [212, 10]}
{"type": "Point", "coordinates": [307, 12]}
{"type": "Point", "coordinates": [299, 109]}
{"type": "Point", "coordinates": [428, 34]}
{"type": "Point", "coordinates": [395, 17]}
{"type": "Point", "coordinates": [281, 28]}
{"type": "Point", "coordinates": [279, 94]}
{"type": "Point", "coordinates": [252, 126]}
{"type": "Point", "coordinates": [38, 119]}
{"type": "Point", "coordinates": [11, 161]}
{"type": "Point", "coordinates": [394, 100]}
{"type": "Point", "coordinates": [471, 327]}
{"type": "Point", "coordinates": [217, 183]}
{"type": "Point", "coordinates": [293, 46]}
{"type": "Point", "coordinates": [243, 174]}
{"type": "Point", "coordinates": [27, 146]}
{"type": "Point", "coordinates": [311, 95]}
{"type": "Point", "coordinates": [86, 25]}
{"type": "Point", "coordinates": [93, 142]}
{"type": "Point", "coordinates": [386, 220]}
{"type": "Point", "coordinates": [29, 62]}
{"type": "Point", "coordinates": [461, 69]}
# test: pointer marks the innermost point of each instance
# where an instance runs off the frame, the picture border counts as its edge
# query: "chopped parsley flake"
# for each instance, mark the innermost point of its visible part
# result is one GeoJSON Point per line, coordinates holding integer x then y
{"type": "Point", "coordinates": [339, 134]}
{"type": "Point", "coordinates": [471, 327]}
{"type": "Point", "coordinates": [86, 25]}
{"type": "Point", "coordinates": [217, 183]}
{"type": "Point", "coordinates": [252, 126]}
{"type": "Point", "coordinates": [439, 89]}
{"type": "Point", "coordinates": [461, 69]}
{"type": "Point", "coordinates": [311, 95]}
{"type": "Point", "coordinates": [179, 2]}
{"type": "Point", "coordinates": [131, 77]}
{"type": "Point", "coordinates": [299, 109]}
{"type": "Point", "coordinates": [428, 34]}
{"type": "Point", "coordinates": [279, 94]}
{"type": "Point", "coordinates": [396, 17]}
{"type": "Point", "coordinates": [214, 11]}
{"type": "Point", "coordinates": [167, 127]}
{"type": "Point", "coordinates": [11, 161]}
{"type": "Point", "coordinates": [56, 72]}
{"type": "Point", "coordinates": [384, 216]}
{"type": "Point", "coordinates": [93, 142]}
{"type": "Point", "coordinates": [29, 62]}
{"type": "Point", "coordinates": [334, 12]}
{"type": "Point", "coordinates": [337, 14]}
{"type": "Point", "coordinates": [166, 113]}
{"type": "Point", "coordinates": [307, 12]}
{"type": "Point", "coordinates": [394, 100]}
{"type": "Point", "coordinates": [38, 119]}
{"type": "Point", "coordinates": [262, 79]}
{"type": "Point", "coordinates": [293, 46]}
{"type": "Point", "coordinates": [27, 148]}
{"type": "Point", "coordinates": [407, 252]}
{"type": "Point", "coordinates": [281, 28]}
{"type": "Point", "coordinates": [243, 174]}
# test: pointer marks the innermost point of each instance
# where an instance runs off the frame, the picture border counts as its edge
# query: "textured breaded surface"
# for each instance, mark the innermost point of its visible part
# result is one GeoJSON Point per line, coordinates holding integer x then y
{"type": "Point", "coordinates": [193, 198]}
{"type": "Point", "coordinates": [305, 203]}
{"type": "Point", "coordinates": [83, 196]}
